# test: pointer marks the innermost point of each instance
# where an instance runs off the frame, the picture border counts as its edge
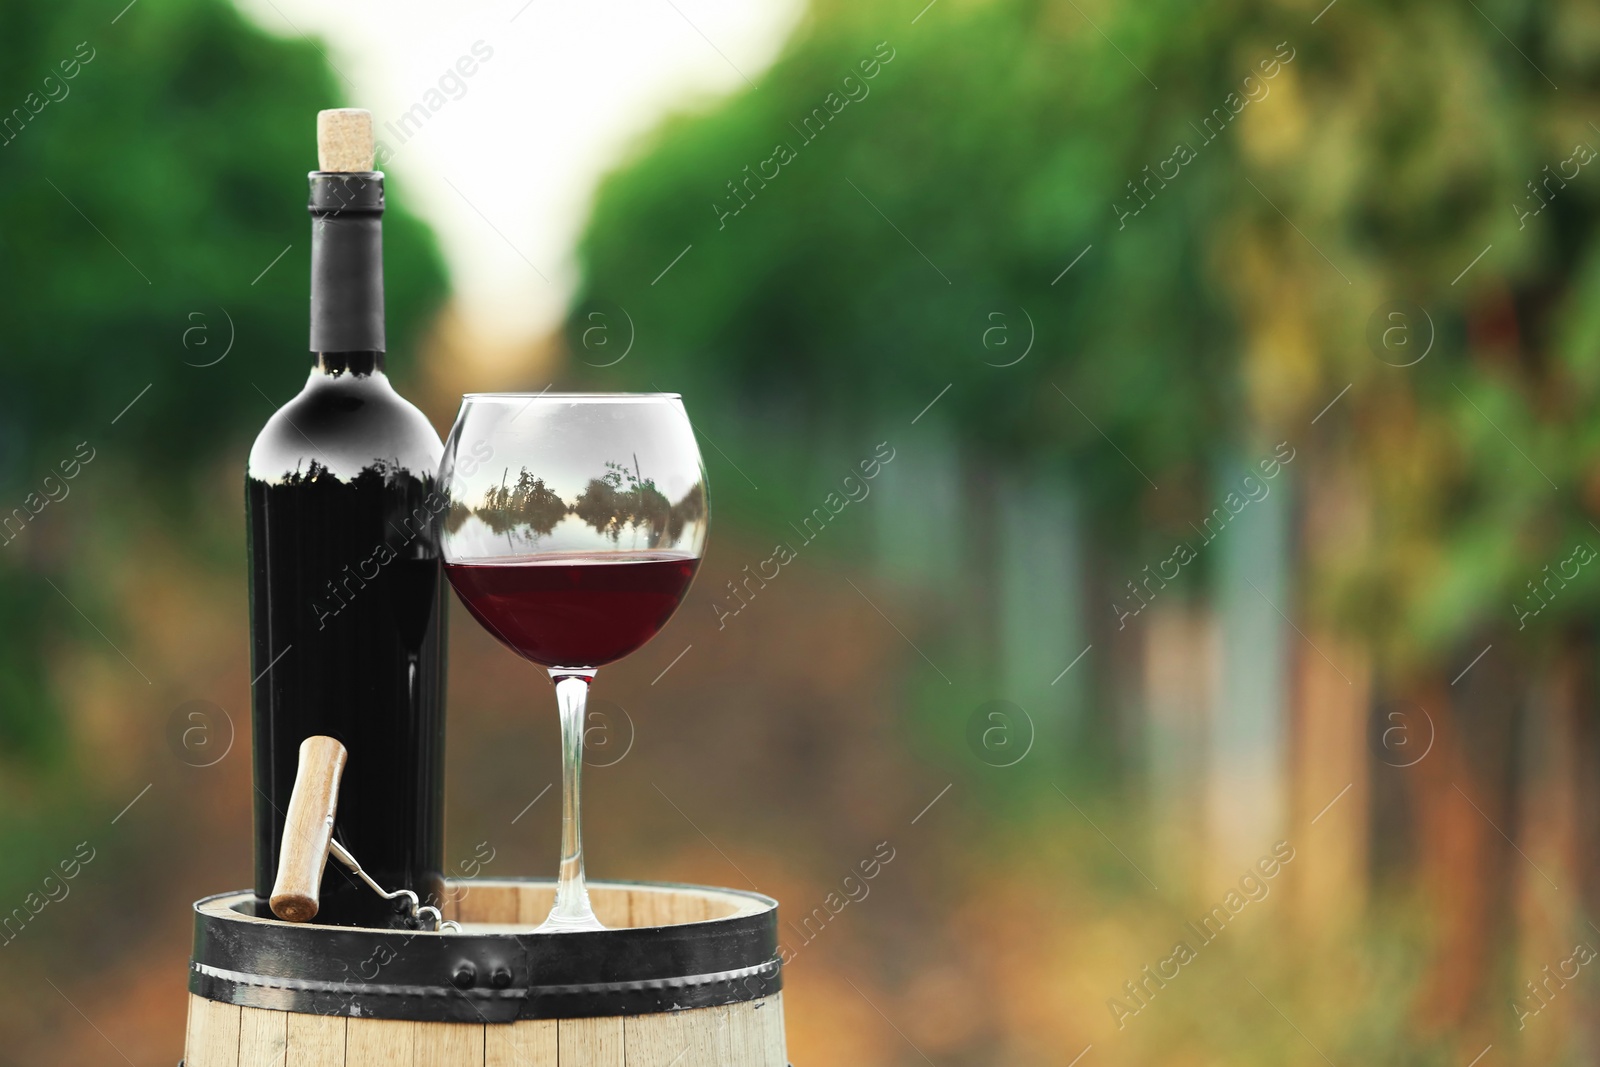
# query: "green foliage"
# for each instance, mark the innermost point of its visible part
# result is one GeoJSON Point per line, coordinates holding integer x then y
{"type": "Point", "coordinates": [139, 209]}
{"type": "Point", "coordinates": [861, 280]}
{"type": "Point", "coordinates": [999, 144]}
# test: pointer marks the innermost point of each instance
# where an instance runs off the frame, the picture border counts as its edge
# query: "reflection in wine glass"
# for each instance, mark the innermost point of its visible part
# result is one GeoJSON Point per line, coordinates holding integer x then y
{"type": "Point", "coordinates": [580, 558]}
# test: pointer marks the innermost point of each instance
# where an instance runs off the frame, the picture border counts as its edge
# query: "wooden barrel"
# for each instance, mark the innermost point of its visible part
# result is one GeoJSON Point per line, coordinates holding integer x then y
{"type": "Point", "coordinates": [685, 976]}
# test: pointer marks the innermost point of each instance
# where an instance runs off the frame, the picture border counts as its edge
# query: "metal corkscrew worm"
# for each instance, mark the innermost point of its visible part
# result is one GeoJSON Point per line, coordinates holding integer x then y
{"type": "Point", "coordinates": [419, 911]}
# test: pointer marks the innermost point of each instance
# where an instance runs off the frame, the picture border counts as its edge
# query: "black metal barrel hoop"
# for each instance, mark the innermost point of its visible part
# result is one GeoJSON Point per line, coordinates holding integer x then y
{"type": "Point", "coordinates": [686, 966]}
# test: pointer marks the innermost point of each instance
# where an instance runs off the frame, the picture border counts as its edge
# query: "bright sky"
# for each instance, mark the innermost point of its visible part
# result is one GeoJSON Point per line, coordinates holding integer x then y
{"type": "Point", "coordinates": [505, 168]}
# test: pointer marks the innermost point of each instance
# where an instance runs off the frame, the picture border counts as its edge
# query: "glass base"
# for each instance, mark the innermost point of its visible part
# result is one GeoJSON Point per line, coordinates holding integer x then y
{"type": "Point", "coordinates": [568, 924]}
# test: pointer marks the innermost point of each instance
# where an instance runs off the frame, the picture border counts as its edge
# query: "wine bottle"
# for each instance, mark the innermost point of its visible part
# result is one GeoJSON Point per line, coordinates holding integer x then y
{"type": "Point", "coordinates": [347, 617]}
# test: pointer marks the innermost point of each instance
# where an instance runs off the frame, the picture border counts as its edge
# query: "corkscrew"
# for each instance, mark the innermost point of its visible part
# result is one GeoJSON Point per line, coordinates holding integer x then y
{"type": "Point", "coordinates": [308, 842]}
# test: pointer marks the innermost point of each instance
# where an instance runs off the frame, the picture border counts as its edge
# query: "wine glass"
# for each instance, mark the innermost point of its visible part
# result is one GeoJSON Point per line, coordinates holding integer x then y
{"type": "Point", "coordinates": [575, 524]}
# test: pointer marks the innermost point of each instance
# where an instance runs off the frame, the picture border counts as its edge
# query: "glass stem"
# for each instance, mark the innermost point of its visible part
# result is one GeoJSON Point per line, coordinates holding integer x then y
{"type": "Point", "coordinates": [572, 910]}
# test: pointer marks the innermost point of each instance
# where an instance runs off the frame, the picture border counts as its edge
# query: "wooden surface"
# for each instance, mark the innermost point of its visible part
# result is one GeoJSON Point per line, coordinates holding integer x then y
{"type": "Point", "coordinates": [522, 1044]}
{"type": "Point", "coordinates": [618, 906]}
{"type": "Point", "coordinates": [507, 903]}
{"type": "Point", "coordinates": [307, 829]}
{"type": "Point", "coordinates": [691, 1037]}
{"type": "Point", "coordinates": [314, 1041]}
{"type": "Point", "coordinates": [263, 1037]}
{"type": "Point", "coordinates": [738, 1035]}
{"type": "Point", "coordinates": [448, 1044]}
{"type": "Point", "coordinates": [379, 1042]}
{"type": "Point", "coordinates": [589, 1043]}
{"type": "Point", "coordinates": [755, 1032]}
{"type": "Point", "coordinates": [213, 1034]}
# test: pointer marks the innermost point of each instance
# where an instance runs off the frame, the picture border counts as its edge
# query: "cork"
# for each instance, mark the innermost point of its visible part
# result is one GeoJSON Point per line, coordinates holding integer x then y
{"type": "Point", "coordinates": [344, 140]}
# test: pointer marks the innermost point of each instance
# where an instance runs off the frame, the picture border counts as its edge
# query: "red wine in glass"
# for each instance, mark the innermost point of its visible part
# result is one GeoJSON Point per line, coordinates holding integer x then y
{"type": "Point", "coordinates": [574, 610]}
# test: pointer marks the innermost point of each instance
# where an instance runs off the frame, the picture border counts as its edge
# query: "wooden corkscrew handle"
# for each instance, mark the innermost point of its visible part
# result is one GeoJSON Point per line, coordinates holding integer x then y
{"type": "Point", "coordinates": [308, 829]}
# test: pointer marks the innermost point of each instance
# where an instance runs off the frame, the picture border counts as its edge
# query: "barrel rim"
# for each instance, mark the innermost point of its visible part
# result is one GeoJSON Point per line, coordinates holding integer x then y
{"type": "Point", "coordinates": [476, 976]}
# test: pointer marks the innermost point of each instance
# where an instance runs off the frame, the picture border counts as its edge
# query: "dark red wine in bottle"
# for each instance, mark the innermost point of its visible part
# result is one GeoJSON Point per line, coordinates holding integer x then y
{"type": "Point", "coordinates": [572, 610]}
{"type": "Point", "coordinates": [347, 617]}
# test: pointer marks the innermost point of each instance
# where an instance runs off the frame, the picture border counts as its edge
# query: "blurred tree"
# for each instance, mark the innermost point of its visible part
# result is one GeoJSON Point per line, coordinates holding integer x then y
{"type": "Point", "coordinates": [887, 211]}
{"type": "Point", "coordinates": [1221, 295]}
{"type": "Point", "coordinates": [1463, 448]}
{"type": "Point", "coordinates": [154, 250]}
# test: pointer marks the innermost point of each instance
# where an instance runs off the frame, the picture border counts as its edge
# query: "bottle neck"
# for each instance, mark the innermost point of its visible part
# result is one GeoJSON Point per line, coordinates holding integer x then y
{"type": "Point", "coordinates": [352, 364]}
{"type": "Point", "coordinates": [346, 264]}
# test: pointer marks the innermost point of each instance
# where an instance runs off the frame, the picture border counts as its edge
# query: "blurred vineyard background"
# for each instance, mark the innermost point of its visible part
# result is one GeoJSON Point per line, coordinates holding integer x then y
{"type": "Point", "coordinates": [1345, 350]}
